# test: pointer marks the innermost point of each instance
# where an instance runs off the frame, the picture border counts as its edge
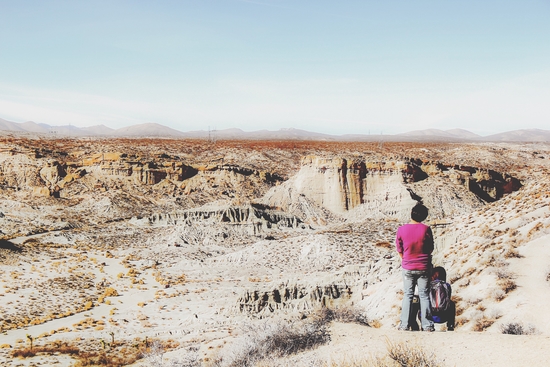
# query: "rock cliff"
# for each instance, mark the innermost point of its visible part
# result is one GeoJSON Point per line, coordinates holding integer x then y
{"type": "Point", "coordinates": [388, 188]}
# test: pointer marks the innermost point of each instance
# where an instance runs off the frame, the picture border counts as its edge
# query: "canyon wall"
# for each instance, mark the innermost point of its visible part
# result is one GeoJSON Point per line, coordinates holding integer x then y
{"type": "Point", "coordinates": [389, 188]}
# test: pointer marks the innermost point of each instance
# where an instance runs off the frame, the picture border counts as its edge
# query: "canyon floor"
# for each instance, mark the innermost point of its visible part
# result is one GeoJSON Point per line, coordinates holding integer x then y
{"type": "Point", "coordinates": [112, 247]}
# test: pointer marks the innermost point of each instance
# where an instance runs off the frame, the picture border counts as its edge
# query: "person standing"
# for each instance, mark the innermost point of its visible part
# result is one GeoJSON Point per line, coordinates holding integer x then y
{"type": "Point", "coordinates": [414, 243]}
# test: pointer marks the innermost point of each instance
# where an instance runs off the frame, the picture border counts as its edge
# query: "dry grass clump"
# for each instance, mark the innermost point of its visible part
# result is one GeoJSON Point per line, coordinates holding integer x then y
{"type": "Point", "coordinates": [512, 253]}
{"type": "Point", "coordinates": [49, 350]}
{"type": "Point", "coordinates": [350, 314]}
{"type": "Point", "coordinates": [398, 355]}
{"type": "Point", "coordinates": [155, 357]}
{"type": "Point", "coordinates": [113, 354]}
{"type": "Point", "coordinates": [515, 328]}
{"type": "Point", "coordinates": [411, 356]}
{"type": "Point", "coordinates": [270, 340]}
{"type": "Point", "coordinates": [507, 285]}
{"type": "Point", "coordinates": [123, 357]}
{"type": "Point", "coordinates": [483, 324]}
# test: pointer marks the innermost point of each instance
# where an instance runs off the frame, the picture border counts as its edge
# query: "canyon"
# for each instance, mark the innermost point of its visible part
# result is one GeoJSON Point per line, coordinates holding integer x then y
{"type": "Point", "coordinates": [187, 240]}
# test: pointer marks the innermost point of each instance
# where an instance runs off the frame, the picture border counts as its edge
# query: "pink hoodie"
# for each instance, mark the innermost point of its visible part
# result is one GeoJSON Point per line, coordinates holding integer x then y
{"type": "Point", "coordinates": [415, 242]}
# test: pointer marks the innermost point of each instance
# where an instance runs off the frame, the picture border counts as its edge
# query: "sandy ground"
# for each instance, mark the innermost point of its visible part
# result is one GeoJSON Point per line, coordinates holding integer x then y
{"type": "Point", "coordinates": [533, 292]}
{"type": "Point", "coordinates": [450, 348]}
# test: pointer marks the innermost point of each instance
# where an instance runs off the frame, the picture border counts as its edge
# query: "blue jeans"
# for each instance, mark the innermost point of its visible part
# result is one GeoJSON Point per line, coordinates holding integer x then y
{"type": "Point", "coordinates": [411, 278]}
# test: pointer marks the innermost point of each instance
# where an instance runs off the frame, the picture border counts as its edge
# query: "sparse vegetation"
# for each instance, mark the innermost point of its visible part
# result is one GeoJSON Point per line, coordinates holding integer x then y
{"type": "Point", "coordinates": [346, 313]}
{"type": "Point", "coordinates": [398, 355]}
{"type": "Point", "coordinates": [273, 339]}
{"type": "Point", "coordinates": [515, 328]}
{"type": "Point", "coordinates": [155, 357]}
{"type": "Point", "coordinates": [482, 324]}
{"type": "Point", "coordinates": [411, 356]}
{"type": "Point", "coordinates": [111, 355]}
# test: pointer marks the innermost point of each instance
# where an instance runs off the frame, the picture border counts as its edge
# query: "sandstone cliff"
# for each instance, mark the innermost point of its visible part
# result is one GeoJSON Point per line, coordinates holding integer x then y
{"type": "Point", "coordinates": [381, 189]}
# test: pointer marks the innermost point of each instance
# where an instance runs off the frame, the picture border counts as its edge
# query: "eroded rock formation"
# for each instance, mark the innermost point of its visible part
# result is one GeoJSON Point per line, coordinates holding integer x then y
{"type": "Point", "coordinates": [388, 187]}
{"type": "Point", "coordinates": [294, 298]}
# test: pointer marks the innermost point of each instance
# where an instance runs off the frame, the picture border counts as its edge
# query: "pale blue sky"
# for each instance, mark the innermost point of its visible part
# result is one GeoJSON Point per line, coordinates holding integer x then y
{"type": "Point", "coordinates": [328, 66]}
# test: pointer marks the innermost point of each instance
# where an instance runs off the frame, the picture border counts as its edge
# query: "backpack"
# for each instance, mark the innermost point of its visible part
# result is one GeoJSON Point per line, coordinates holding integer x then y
{"type": "Point", "coordinates": [440, 295]}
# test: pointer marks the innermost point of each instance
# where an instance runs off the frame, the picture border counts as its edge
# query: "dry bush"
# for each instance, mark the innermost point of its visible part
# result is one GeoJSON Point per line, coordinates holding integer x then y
{"type": "Point", "coordinates": [460, 321]}
{"type": "Point", "coordinates": [23, 353]}
{"type": "Point", "coordinates": [483, 324]}
{"type": "Point", "coordinates": [399, 355]}
{"type": "Point", "coordinates": [507, 285]}
{"type": "Point", "coordinates": [348, 314]}
{"type": "Point", "coordinates": [512, 253]}
{"type": "Point", "coordinates": [31, 352]}
{"type": "Point", "coordinates": [375, 324]}
{"type": "Point", "coordinates": [458, 304]}
{"type": "Point", "coordinates": [271, 340]}
{"type": "Point", "coordinates": [516, 328]}
{"type": "Point", "coordinates": [155, 357]}
{"type": "Point", "coordinates": [498, 294]}
{"type": "Point", "coordinates": [116, 357]}
{"type": "Point", "coordinates": [411, 356]}
{"type": "Point", "coordinates": [122, 358]}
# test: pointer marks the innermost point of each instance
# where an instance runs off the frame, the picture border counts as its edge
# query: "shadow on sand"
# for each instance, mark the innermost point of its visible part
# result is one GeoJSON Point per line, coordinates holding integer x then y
{"type": "Point", "coordinates": [7, 245]}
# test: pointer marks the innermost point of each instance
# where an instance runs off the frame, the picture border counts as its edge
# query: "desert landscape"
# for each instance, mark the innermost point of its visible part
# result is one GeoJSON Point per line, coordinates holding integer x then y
{"type": "Point", "coordinates": [183, 252]}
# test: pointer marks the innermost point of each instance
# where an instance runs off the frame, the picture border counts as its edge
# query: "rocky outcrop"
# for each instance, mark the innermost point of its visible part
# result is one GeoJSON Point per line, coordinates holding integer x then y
{"type": "Point", "coordinates": [333, 183]}
{"type": "Point", "coordinates": [38, 173]}
{"type": "Point", "coordinates": [222, 227]}
{"type": "Point", "coordinates": [352, 283]}
{"type": "Point", "coordinates": [234, 215]}
{"type": "Point", "coordinates": [386, 188]}
{"type": "Point", "coordinates": [293, 298]}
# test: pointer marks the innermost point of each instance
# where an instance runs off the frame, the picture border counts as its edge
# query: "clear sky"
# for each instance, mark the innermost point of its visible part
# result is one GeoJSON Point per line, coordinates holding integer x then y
{"type": "Point", "coordinates": [335, 67]}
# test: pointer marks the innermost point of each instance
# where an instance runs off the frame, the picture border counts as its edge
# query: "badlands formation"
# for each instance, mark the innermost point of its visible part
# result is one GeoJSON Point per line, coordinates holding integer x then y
{"type": "Point", "coordinates": [109, 246]}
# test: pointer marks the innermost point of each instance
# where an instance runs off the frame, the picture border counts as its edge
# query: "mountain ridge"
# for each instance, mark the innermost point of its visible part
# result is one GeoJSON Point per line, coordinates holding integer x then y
{"type": "Point", "coordinates": [157, 130]}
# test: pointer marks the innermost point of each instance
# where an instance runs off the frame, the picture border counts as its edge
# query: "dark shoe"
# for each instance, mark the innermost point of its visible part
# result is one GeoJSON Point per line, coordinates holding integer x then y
{"type": "Point", "coordinates": [450, 328]}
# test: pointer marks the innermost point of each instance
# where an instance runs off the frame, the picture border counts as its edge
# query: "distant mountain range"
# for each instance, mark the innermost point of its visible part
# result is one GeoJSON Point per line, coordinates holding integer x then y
{"type": "Point", "coordinates": [157, 130]}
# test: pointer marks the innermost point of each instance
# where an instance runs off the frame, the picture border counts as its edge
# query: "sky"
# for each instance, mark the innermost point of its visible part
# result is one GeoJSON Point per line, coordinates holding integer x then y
{"type": "Point", "coordinates": [336, 67]}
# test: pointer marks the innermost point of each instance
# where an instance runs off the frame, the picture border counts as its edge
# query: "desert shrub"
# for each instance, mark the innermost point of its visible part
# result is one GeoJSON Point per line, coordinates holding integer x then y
{"type": "Point", "coordinates": [458, 304]}
{"type": "Point", "coordinates": [512, 253]}
{"type": "Point", "coordinates": [375, 323]}
{"type": "Point", "coordinates": [273, 340]}
{"type": "Point", "coordinates": [411, 356]}
{"type": "Point", "coordinates": [155, 354]}
{"type": "Point", "coordinates": [498, 294]}
{"type": "Point", "coordinates": [23, 353]}
{"type": "Point", "coordinates": [460, 321]}
{"type": "Point", "coordinates": [503, 274]}
{"type": "Point", "coordinates": [346, 313]}
{"type": "Point", "coordinates": [507, 285]}
{"type": "Point", "coordinates": [398, 355]}
{"type": "Point", "coordinates": [483, 324]}
{"type": "Point", "coordinates": [104, 359]}
{"type": "Point", "coordinates": [61, 349]}
{"type": "Point", "coordinates": [515, 328]}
